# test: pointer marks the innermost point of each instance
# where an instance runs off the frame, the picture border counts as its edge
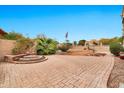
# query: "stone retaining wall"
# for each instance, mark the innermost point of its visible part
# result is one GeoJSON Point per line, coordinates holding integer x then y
{"type": "Point", "coordinates": [6, 47]}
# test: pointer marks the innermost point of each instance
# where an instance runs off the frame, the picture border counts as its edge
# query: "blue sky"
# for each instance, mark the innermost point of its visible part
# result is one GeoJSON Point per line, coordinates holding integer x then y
{"type": "Point", "coordinates": [81, 22]}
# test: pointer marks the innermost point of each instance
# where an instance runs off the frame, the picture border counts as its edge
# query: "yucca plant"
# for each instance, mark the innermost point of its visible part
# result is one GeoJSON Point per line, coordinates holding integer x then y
{"type": "Point", "coordinates": [46, 46]}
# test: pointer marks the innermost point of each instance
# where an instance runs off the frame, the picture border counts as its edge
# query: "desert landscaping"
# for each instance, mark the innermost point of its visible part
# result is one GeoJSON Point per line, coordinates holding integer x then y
{"type": "Point", "coordinates": [67, 71]}
{"type": "Point", "coordinates": [45, 62]}
{"type": "Point", "coordinates": [76, 67]}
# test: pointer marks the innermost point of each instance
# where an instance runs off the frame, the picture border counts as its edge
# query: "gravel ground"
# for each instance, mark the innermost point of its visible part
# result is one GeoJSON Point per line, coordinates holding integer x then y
{"type": "Point", "coordinates": [117, 75]}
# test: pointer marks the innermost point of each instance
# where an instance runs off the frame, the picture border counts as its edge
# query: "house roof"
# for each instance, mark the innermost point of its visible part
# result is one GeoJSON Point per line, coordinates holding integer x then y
{"type": "Point", "coordinates": [2, 32]}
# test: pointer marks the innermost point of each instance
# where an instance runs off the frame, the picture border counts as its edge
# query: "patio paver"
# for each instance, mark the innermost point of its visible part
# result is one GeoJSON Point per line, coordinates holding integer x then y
{"type": "Point", "coordinates": [58, 71]}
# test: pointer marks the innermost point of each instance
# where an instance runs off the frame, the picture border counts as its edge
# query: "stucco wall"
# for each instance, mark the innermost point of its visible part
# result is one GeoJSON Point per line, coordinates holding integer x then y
{"type": "Point", "coordinates": [6, 47]}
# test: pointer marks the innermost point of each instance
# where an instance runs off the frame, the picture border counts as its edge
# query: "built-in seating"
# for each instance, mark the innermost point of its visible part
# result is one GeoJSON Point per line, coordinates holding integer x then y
{"type": "Point", "coordinates": [10, 58]}
{"type": "Point", "coordinates": [24, 58]}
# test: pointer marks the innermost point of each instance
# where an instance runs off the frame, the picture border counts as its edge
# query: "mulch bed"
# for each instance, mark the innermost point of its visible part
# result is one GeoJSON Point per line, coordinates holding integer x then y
{"type": "Point", "coordinates": [117, 74]}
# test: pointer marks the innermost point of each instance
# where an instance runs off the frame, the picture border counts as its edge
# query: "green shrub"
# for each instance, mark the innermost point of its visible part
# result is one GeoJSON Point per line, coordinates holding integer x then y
{"type": "Point", "coordinates": [82, 42]}
{"type": "Point", "coordinates": [23, 45]}
{"type": "Point", "coordinates": [120, 40]}
{"type": "Point", "coordinates": [13, 36]}
{"type": "Point", "coordinates": [107, 41]}
{"type": "Point", "coordinates": [116, 48]}
{"type": "Point", "coordinates": [68, 44]}
{"type": "Point", "coordinates": [64, 47]}
{"type": "Point", "coordinates": [46, 46]}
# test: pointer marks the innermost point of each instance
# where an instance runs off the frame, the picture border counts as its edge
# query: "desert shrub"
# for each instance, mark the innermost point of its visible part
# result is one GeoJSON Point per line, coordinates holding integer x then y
{"type": "Point", "coordinates": [116, 48]}
{"type": "Point", "coordinates": [107, 41]}
{"type": "Point", "coordinates": [82, 42]}
{"type": "Point", "coordinates": [13, 36]}
{"type": "Point", "coordinates": [68, 44]}
{"type": "Point", "coordinates": [120, 39]}
{"type": "Point", "coordinates": [116, 40]}
{"type": "Point", "coordinates": [64, 47]}
{"type": "Point", "coordinates": [46, 46]}
{"type": "Point", "coordinates": [23, 45]}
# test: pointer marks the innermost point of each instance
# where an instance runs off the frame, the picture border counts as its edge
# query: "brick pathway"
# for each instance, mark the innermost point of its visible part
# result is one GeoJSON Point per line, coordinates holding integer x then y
{"type": "Point", "coordinates": [58, 71]}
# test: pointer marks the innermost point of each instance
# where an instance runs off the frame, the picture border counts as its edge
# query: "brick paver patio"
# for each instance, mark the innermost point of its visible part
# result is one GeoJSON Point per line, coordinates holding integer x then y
{"type": "Point", "coordinates": [58, 71]}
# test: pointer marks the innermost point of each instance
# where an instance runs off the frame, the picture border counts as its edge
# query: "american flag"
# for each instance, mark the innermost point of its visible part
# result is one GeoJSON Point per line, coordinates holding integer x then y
{"type": "Point", "coordinates": [66, 35]}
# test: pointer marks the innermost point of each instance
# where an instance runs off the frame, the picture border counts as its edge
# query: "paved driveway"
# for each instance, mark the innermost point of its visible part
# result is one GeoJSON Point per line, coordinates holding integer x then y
{"type": "Point", "coordinates": [58, 71]}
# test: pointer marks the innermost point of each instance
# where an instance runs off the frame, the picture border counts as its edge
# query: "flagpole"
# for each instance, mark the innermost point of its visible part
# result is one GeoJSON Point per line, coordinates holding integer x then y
{"type": "Point", "coordinates": [66, 37]}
